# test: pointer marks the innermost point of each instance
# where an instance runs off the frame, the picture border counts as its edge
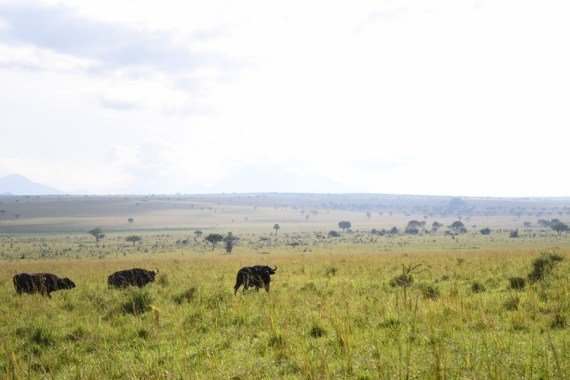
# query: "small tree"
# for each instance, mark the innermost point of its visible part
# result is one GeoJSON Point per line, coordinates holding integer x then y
{"type": "Point", "coordinates": [344, 225]}
{"type": "Point", "coordinates": [368, 214]}
{"type": "Point", "coordinates": [214, 239]}
{"type": "Point", "coordinates": [130, 220]}
{"type": "Point", "coordinates": [133, 239]}
{"type": "Point", "coordinates": [413, 227]}
{"type": "Point", "coordinates": [97, 233]}
{"type": "Point", "coordinates": [230, 239]}
{"type": "Point", "coordinates": [435, 226]}
{"type": "Point", "coordinates": [276, 227]}
{"type": "Point", "coordinates": [559, 227]}
{"type": "Point", "coordinates": [458, 227]}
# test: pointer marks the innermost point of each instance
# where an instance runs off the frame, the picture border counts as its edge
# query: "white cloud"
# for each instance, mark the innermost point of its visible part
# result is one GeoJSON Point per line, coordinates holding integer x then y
{"type": "Point", "coordinates": [450, 97]}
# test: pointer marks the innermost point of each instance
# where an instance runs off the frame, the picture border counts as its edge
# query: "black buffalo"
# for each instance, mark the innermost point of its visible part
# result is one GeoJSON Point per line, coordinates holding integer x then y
{"type": "Point", "coordinates": [258, 276]}
{"type": "Point", "coordinates": [131, 277]}
{"type": "Point", "coordinates": [43, 283]}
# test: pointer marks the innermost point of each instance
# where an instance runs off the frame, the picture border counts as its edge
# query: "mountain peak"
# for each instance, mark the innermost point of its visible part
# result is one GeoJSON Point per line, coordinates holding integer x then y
{"type": "Point", "coordinates": [17, 184]}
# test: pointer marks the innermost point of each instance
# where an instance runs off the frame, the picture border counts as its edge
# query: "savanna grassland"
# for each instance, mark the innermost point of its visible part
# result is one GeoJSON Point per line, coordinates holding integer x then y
{"type": "Point", "coordinates": [361, 305]}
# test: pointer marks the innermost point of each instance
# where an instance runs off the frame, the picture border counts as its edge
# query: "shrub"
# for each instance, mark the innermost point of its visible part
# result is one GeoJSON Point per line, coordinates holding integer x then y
{"type": "Point", "coordinates": [185, 296]}
{"type": "Point", "coordinates": [543, 265]}
{"type": "Point", "coordinates": [317, 331]}
{"type": "Point", "coordinates": [514, 234]}
{"type": "Point", "coordinates": [477, 287]}
{"type": "Point", "coordinates": [558, 322]}
{"type": "Point", "coordinates": [430, 292]}
{"type": "Point", "coordinates": [331, 271]}
{"type": "Point", "coordinates": [389, 323]}
{"type": "Point", "coordinates": [334, 234]}
{"type": "Point", "coordinates": [402, 280]}
{"type": "Point", "coordinates": [517, 283]}
{"type": "Point", "coordinates": [485, 231]}
{"type": "Point", "coordinates": [139, 301]}
{"type": "Point", "coordinates": [42, 336]}
{"type": "Point", "coordinates": [512, 303]}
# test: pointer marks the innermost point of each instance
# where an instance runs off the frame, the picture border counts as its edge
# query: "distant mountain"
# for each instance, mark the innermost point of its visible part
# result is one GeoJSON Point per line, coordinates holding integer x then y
{"type": "Point", "coordinates": [16, 184]}
{"type": "Point", "coordinates": [276, 180]}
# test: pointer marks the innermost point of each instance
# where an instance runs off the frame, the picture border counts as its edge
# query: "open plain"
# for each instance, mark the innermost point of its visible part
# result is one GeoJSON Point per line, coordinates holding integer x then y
{"type": "Point", "coordinates": [364, 304]}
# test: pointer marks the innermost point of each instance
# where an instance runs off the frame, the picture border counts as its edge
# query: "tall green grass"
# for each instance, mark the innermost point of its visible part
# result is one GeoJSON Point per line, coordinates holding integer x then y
{"type": "Point", "coordinates": [328, 315]}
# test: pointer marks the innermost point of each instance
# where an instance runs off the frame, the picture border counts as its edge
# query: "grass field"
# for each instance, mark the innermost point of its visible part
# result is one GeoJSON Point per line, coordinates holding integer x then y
{"type": "Point", "coordinates": [328, 315]}
{"type": "Point", "coordinates": [339, 307]}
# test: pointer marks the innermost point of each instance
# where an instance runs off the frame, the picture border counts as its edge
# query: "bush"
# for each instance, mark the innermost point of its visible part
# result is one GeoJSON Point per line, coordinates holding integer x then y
{"type": "Point", "coordinates": [139, 302]}
{"type": "Point", "coordinates": [42, 336]}
{"type": "Point", "coordinates": [185, 296]}
{"type": "Point", "coordinates": [543, 265]}
{"type": "Point", "coordinates": [331, 271]}
{"type": "Point", "coordinates": [402, 280]}
{"type": "Point", "coordinates": [517, 283]}
{"type": "Point", "coordinates": [334, 234]}
{"type": "Point", "coordinates": [485, 231]}
{"type": "Point", "coordinates": [512, 303]}
{"type": "Point", "coordinates": [430, 292]}
{"type": "Point", "coordinates": [477, 287]}
{"type": "Point", "coordinates": [514, 234]}
{"type": "Point", "coordinates": [317, 331]}
{"type": "Point", "coordinates": [558, 322]}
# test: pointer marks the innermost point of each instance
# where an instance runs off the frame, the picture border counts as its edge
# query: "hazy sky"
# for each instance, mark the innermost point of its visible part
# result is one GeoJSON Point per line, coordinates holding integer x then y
{"type": "Point", "coordinates": [417, 97]}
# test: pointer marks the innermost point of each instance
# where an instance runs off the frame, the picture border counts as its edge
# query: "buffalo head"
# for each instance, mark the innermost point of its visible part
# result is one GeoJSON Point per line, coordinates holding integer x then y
{"type": "Point", "coordinates": [67, 283]}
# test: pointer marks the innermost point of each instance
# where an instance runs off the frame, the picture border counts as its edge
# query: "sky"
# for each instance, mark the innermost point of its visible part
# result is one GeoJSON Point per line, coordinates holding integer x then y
{"type": "Point", "coordinates": [439, 97]}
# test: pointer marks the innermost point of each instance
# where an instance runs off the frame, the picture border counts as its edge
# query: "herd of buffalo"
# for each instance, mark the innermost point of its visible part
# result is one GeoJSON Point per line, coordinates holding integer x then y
{"type": "Point", "coordinates": [258, 276]}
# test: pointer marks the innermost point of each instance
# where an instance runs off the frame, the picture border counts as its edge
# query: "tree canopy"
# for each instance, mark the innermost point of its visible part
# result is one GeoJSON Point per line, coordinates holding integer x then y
{"type": "Point", "coordinates": [344, 225]}
{"type": "Point", "coordinates": [97, 233]}
{"type": "Point", "coordinates": [214, 239]}
{"type": "Point", "coordinates": [559, 227]}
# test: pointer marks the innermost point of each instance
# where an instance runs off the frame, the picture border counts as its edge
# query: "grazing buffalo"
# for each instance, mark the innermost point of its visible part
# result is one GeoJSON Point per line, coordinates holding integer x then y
{"type": "Point", "coordinates": [131, 277]}
{"type": "Point", "coordinates": [258, 276]}
{"type": "Point", "coordinates": [43, 283]}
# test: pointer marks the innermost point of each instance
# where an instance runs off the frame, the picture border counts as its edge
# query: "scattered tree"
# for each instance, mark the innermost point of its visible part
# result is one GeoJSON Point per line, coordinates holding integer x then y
{"type": "Point", "coordinates": [230, 239]}
{"type": "Point", "coordinates": [97, 233]}
{"type": "Point", "coordinates": [413, 227]}
{"type": "Point", "coordinates": [344, 225]}
{"type": "Point", "coordinates": [214, 239]}
{"type": "Point", "coordinates": [133, 239]}
{"type": "Point", "coordinates": [559, 227]}
{"type": "Point", "coordinates": [458, 227]}
{"type": "Point", "coordinates": [435, 226]}
{"type": "Point", "coordinates": [368, 214]}
{"type": "Point", "coordinates": [276, 227]}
